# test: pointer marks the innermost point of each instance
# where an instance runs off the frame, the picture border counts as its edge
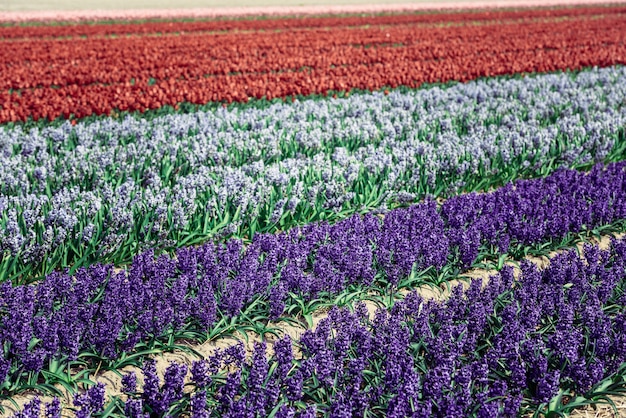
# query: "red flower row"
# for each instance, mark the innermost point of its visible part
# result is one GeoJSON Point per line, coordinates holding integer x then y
{"type": "Point", "coordinates": [52, 78]}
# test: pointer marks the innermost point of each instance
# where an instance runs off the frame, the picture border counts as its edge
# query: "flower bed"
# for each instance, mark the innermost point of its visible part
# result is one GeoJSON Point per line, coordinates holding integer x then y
{"type": "Point", "coordinates": [80, 77]}
{"type": "Point", "coordinates": [168, 219]}
{"type": "Point", "coordinates": [107, 190]}
{"type": "Point", "coordinates": [108, 313]}
{"type": "Point", "coordinates": [548, 342]}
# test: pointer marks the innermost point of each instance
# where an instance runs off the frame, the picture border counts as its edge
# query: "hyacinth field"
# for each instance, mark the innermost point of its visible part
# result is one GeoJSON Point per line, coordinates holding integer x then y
{"type": "Point", "coordinates": [400, 214]}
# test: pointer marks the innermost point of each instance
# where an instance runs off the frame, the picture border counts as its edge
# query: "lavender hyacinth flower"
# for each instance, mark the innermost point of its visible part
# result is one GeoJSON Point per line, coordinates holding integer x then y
{"type": "Point", "coordinates": [134, 408]}
{"type": "Point", "coordinates": [161, 398]}
{"type": "Point", "coordinates": [198, 405]}
{"type": "Point", "coordinates": [129, 383]}
{"type": "Point", "coordinates": [53, 409]}
{"type": "Point", "coordinates": [91, 401]}
{"type": "Point", "coordinates": [200, 373]}
{"type": "Point", "coordinates": [31, 410]}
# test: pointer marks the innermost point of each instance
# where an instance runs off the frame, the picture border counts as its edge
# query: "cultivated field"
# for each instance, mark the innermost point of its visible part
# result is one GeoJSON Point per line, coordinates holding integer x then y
{"type": "Point", "coordinates": [391, 213]}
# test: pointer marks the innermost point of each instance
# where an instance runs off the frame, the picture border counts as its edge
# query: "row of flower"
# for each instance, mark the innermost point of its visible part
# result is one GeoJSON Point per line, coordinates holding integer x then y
{"type": "Point", "coordinates": [45, 78]}
{"type": "Point", "coordinates": [44, 63]}
{"type": "Point", "coordinates": [548, 342]}
{"type": "Point", "coordinates": [192, 295]}
{"type": "Point", "coordinates": [107, 190]}
{"type": "Point", "coordinates": [8, 31]}
{"type": "Point", "coordinates": [315, 203]}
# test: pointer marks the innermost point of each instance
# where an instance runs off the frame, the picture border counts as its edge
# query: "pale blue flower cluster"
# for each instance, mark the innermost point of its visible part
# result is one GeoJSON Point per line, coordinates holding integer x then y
{"type": "Point", "coordinates": [147, 183]}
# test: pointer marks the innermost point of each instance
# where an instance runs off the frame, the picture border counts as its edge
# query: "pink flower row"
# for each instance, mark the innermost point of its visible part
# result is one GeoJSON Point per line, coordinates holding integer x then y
{"type": "Point", "coordinates": [133, 14]}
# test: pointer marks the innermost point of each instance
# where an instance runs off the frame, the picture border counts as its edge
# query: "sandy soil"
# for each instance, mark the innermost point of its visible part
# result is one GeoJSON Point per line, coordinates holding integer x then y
{"type": "Point", "coordinates": [602, 411]}
{"type": "Point", "coordinates": [25, 10]}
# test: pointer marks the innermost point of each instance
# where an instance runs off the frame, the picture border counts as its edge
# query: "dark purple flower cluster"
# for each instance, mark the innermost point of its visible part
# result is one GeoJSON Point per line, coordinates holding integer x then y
{"type": "Point", "coordinates": [531, 211]}
{"type": "Point", "coordinates": [412, 237]}
{"type": "Point", "coordinates": [33, 409]}
{"type": "Point", "coordinates": [159, 397]}
{"type": "Point", "coordinates": [487, 352]}
{"type": "Point", "coordinates": [108, 313]}
{"type": "Point", "coordinates": [90, 402]}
